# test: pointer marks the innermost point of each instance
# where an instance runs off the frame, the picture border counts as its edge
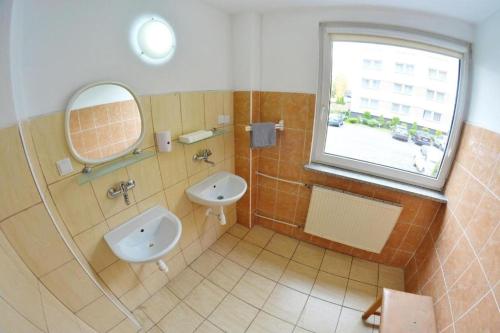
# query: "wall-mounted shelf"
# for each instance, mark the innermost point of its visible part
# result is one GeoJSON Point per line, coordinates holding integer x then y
{"type": "Point", "coordinates": [216, 132]}
{"type": "Point", "coordinates": [120, 163]}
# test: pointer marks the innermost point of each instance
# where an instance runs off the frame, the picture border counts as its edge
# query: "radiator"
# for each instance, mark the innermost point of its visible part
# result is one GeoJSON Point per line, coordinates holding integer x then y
{"type": "Point", "coordinates": [350, 219]}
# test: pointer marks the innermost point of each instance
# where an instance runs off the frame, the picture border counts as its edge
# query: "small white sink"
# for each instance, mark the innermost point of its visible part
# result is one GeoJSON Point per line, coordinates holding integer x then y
{"type": "Point", "coordinates": [146, 237]}
{"type": "Point", "coordinates": [220, 189]}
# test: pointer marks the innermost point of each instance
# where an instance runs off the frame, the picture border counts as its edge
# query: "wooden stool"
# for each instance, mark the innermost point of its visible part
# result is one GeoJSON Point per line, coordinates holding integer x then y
{"type": "Point", "coordinates": [403, 312]}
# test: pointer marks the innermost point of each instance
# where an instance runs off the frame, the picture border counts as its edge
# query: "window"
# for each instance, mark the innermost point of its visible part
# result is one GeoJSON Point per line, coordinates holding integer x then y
{"type": "Point", "coordinates": [436, 74]}
{"type": "Point", "coordinates": [372, 64]}
{"type": "Point", "coordinates": [372, 145]}
{"type": "Point", "coordinates": [404, 68]}
{"type": "Point", "coordinates": [370, 84]}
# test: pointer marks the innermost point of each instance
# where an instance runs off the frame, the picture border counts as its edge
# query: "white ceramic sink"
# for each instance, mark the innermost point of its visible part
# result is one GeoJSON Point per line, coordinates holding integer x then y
{"type": "Point", "coordinates": [220, 189]}
{"type": "Point", "coordinates": [146, 237]}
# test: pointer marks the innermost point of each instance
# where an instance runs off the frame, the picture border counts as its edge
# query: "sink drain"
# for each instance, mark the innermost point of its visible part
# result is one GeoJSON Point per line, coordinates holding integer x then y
{"type": "Point", "coordinates": [220, 197]}
{"type": "Point", "coordinates": [151, 244]}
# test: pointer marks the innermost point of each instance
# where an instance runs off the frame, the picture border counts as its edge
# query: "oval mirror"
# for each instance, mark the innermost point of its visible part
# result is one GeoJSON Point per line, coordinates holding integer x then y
{"type": "Point", "coordinates": [103, 121]}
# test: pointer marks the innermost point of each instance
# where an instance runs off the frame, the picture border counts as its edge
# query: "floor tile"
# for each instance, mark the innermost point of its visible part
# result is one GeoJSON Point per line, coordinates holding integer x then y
{"type": "Point", "coordinates": [319, 316]}
{"type": "Point", "coordinates": [391, 277]}
{"type": "Point", "coordinates": [364, 271]}
{"type": "Point", "coordinates": [282, 245]}
{"type": "Point", "coordinates": [350, 322]}
{"type": "Point", "coordinates": [205, 297]}
{"type": "Point", "coordinates": [269, 265]}
{"type": "Point", "coordinates": [159, 304]}
{"type": "Point", "coordinates": [299, 277]}
{"type": "Point", "coordinates": [244, 253]}
{"type": "Point", "coordinates": [254, 289]}
{"type": "Point", "coordinates": [259, 236]}
{"type": "Point", "coordinates": [265, 323]}
{"type": "Point", "coordinates": [238, 230]}
{"type": "Point", "coordinates": [233, 315]}
{"type": "Point", "coordinates": [359, 296]}
{"type": "Point", "coordinates": [227, 274]}
{"type": "Point", "coordinates": [285, 303]}
{"type": "Point", "coordinates": [224, 244]}
{"type": "Point", "coordinates": [300, 330]}
{"type": "Point", "coordinates": [206, 262]}
{"type": "Point", "coordinates": [336, 263]}
{"type": "Point", "coordinates": [155, 329]}
{"type": "Point", "coordinates": [143, 319]}
{"type": "Point", "coordinates": [330, 288]}
{"type": "Point", "coordinates": [183, 283]}
{"type": "Point", "coordinates": [181, 319]}
{"type": "Point", "coordinates": [308, 254]}
{"type": "Point", "coordinates": [208, 327]}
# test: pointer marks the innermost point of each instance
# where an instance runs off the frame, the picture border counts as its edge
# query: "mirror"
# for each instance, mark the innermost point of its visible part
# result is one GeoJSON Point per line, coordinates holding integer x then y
{"type": "Point", "coordinates": [103, 122]}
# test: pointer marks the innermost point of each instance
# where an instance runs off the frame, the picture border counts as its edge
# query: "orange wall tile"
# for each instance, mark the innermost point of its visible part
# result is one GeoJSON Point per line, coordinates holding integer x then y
{"type": "Point", "coordinates": [458, 261]}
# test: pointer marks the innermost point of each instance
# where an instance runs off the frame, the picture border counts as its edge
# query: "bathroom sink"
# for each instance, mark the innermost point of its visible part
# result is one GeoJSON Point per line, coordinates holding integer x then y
{"type": "Point", "coordinates": [146, 237]}
{"type": "Point", "coordinates": [220, 189]}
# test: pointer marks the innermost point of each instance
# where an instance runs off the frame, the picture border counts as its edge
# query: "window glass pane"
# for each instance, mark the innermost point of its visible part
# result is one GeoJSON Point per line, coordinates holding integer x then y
{"type": "Point", "coordinates": [391, 117]}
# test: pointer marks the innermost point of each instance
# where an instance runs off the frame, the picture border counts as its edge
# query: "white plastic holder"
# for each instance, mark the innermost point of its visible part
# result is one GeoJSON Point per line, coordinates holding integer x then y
{"type": "Point", "coordinates": [162, 266]}
{"type": "Point", "coordinates": [221, 217]}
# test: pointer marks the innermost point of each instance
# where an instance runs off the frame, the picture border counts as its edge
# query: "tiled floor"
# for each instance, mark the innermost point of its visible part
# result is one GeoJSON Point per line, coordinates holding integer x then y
{"type": "Point", "coordinates": [259, 281]}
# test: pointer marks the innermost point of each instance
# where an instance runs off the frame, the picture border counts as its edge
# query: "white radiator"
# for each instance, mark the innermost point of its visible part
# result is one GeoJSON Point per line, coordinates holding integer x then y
{"type": "Point", "coordinates": [353, 220]}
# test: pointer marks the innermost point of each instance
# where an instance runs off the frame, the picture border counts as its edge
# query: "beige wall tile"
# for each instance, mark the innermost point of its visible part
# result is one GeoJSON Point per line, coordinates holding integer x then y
{"type": "Point", "coordinates": [147, 178]}
{"type": "Point", "coordinates": [119, 277]}
{"type": "Point", "coordinates": [177, 200]}
{"type": "Point", "coordinates": [18, 189]}
{"type": "Point", "coordinates": [122, 217]}
{"type": "Point", "coordinates": [70, 284]}
{"type": "Point", "coordinates": [12, 321]}
{"type": "Point", "coordinates": [59, 318]}
{"type": "Point", "coordinates": [51, 146]}
{"type": "Point", "coordinates": [77, 204]}
{"type": "Point", "coordinates": [36, 240]}
{"type": "Point", "coordinates": [189, 233]}
{"type": "Point", "coordinates": [229, 143]}
{"type": "Point", "coordinates": [154, 200]}
{"type": "Point", "coordinates": [194, 167]}
{"type": "Point", "coordinates": [192, 111]}
{"type": "Point", "coordinates": [18, 286]}
{"type": "Point", "coordinates": [228, 105]}
{"type": "Point", "coordinates": [216, 145]}
{"type": "Point", "coordinates": [93, 246]}
{"type": "Point", "coordinates": [148, 122]}
{"type": "Point", "coordinates": [214, 106]}
{"type": "Point", "coordinates": [101, 314]}
{"type": "Point", "coordinates": [166, 111]}
{"type": "Point", "coordinates": [101, 186]}
{"type": "Point", "coordinates": [173, 165]}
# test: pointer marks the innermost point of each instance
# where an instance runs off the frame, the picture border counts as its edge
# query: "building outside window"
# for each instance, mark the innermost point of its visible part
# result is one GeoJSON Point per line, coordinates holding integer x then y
{"type": "Point", "coordinates": [428, 100]}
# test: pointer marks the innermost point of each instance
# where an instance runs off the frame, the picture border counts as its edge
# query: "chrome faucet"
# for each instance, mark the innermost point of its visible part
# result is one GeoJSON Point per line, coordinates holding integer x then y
{"type": "Point", "coordinates": [122, 188]}
{"type": "Point", "coordinates": [203, 155]}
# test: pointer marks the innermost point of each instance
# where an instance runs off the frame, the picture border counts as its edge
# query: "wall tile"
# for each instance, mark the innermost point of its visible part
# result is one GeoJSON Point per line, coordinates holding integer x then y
{"type": "Point", "coordinates": [482, 318]}
{"type": "Point", "coordinates": [154, 200]}
{"type": "Point", "coordinates": [101, 186]}
{"type": "Point", "coordinates": [77, 204]}
{"type": "Point", "coordinates": [95, 249]}
{"type": "Point", "coordinates": [177, 200]}
{"type": "Point", "coordinates": [71, 285]}
{"type": "Point", "coordinates": [122, 217]}
{"type": "Point", "coordinates": [192, 111]}
{"type": "Point", "coordinates": [119, 277]}
{"type": "Point", "coordinates": [149, 140]}
{"type": "Point", "coordinates": [12, 321]}
{"type": "Point", "coordinates": [51, 146]}
{"type": "Point", "coordinates": [228, 106]}
{"type": "Point", "coordinates": [173, 165]}
{"type": "Point", "coordinates": [36, 240]}
{"type": "Point", "coordinates": [101, 314]}
{"type": "Point", "coordinates": [214, 106]}
{"type": "Point", "coordinates": [166, 113]}
{"type": "Point", "coordinates": [147, 178]}
{"type": "Point", "coordinates": [18, 189]}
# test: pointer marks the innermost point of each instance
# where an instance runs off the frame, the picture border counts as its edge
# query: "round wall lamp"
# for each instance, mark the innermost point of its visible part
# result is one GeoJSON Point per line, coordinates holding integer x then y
{"type": "Point", "coordinates": [154, 40]}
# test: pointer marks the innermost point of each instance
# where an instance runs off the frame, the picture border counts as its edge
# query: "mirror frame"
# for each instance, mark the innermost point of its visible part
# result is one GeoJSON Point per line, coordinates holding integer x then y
{"type": "Point", "coordinates": [72, 149]}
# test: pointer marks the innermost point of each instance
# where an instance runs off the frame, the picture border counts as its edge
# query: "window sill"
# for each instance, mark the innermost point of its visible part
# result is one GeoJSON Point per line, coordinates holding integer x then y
{"type": "Point", "coordinates": [386, 183]}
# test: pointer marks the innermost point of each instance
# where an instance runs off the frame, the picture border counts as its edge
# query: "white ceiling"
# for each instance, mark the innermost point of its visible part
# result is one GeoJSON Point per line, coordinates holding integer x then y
{"type": "Point", "coordinates": [469, 10]}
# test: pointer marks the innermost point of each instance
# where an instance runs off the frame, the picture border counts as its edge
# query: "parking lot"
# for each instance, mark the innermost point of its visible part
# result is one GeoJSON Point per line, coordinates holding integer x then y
{"type": "Point", "coordinates": [371, 144]}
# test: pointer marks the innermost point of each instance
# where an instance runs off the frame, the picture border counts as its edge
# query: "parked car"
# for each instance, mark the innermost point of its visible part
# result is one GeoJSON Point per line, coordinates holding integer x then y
{"type": "Point", "coordinates": [427, 160]}
{"type": "Point", "coordinates": [439, 142]}
{"type": "Point", "coordinates": [400, 132]}
{"type": "Point", "coordinates": [422, 138]}
{"type": "Point", "coordinates": [336, 119]}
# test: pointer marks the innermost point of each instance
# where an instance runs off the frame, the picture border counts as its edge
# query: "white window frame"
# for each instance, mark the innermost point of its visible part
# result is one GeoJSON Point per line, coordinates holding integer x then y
{"type": "Point", "coordinates": [399, 36]}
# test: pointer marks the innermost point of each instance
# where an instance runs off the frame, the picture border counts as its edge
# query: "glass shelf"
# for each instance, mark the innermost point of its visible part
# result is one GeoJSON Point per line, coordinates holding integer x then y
{"type": "Point", "coordinates": [123, 162]}
{"type": "Point", "coordinates": [216, 132]}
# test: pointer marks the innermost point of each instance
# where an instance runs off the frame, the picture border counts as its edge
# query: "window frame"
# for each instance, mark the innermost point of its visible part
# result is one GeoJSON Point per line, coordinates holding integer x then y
{"type": "Point", "coordinates": [405, 37]}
